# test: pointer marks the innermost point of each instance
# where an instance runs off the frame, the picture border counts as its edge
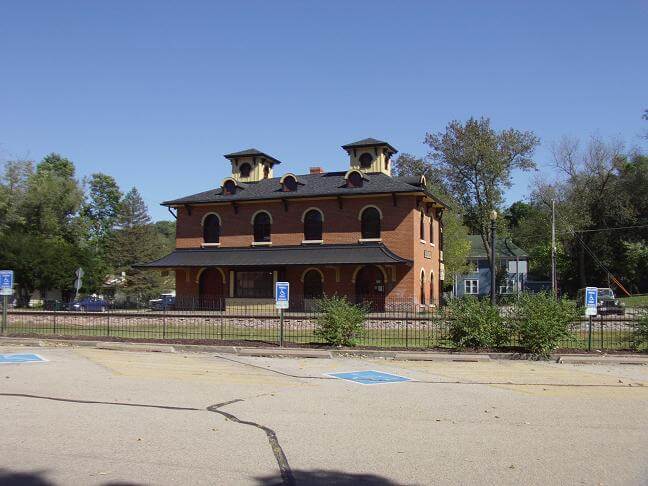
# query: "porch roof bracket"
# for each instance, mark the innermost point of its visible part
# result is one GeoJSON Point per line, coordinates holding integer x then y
{"type": "Point", "coordinates": [394, 201]}
{"type": "Point", "coordinates": [340, 205]}
{"type": "Point", "coordinates": [175, 216]}
{"type": "Point", "coordinates": [188, 208]}
{"type": "Point", "coordinates": [235, 207]}
{"type": "Point", "coordinates": [285, 204]}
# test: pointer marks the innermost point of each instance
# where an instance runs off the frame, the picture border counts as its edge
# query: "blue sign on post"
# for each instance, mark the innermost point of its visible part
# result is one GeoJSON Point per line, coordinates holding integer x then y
{"type": "Point", "coordinates": [6, 282]}
{"type": "Point", "coordinates": [282, 295]}
{"type": "Point", "coordinates": [591, 301]}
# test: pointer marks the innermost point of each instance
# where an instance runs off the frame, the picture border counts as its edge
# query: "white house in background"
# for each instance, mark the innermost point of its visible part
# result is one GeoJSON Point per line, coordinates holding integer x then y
{"type": "Point", "coordinates": [511, 259]}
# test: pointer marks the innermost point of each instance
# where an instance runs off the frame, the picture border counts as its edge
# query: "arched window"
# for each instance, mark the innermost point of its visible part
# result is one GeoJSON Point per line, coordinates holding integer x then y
{"type": "Point", "coordinates": [266, 172]}
{"type": "Point", "coordinates": [229, 187]}
{"type": "Point", "coordinates": [313, 285]}
{"type": "Point", "coordinates": [422, 227]}
{"type": "Point", "coordinates": [431, 229]}
{"type": "Point", "coordinates": [313, 225]}
{"type": "Point", "coordinates": [289, 184]}
{"type": "Point", "coordinates": [432, 301]}
{"type": "Point", "coordinates": [262, 227]}
{"type": "Point", "coordinates": [245, 170]}
{"type": "Point", "coordinates": [370, 223]}
{"type": "Point", "coordinates": [365, 160]}
{"type": "Point", "coordinates": [422, 287]}
{"type": "Point", "coordinates": [211, 229]}
{"type": "Point", "coordinates": [354, 179]}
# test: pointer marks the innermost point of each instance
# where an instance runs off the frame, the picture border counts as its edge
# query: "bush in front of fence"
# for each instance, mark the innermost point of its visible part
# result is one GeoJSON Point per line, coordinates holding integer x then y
{"type": "Point", "coordinates": [476, 323]}
{"type": "Point", "coordinates": [339, 322]}
{"type": "Point", "coordinates": [542, 321]}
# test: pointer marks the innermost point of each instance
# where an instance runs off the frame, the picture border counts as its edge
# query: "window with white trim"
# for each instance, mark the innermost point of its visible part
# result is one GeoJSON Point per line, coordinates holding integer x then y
{"type": "Point", "coordinates": [471, 287]}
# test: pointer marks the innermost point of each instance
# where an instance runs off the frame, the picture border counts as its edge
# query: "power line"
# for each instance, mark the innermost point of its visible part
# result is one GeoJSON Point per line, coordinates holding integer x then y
{"type": "Point", "coordinates": [610, 229]}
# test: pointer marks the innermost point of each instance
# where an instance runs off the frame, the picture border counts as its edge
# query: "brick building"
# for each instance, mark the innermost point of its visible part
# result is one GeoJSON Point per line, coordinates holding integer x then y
{"type": "Point", "coordinates": [361, 233]}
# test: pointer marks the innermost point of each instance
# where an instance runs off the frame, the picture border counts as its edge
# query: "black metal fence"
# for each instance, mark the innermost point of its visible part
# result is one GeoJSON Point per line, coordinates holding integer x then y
{"type": "Point", "coordinates": [392, 324]}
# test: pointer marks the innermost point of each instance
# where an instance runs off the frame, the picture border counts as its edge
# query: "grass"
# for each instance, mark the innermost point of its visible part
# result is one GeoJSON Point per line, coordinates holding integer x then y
{"type": "Point", "coordinates": [417, 337]}
{"type": "Point", "coordinates": [635, 300]}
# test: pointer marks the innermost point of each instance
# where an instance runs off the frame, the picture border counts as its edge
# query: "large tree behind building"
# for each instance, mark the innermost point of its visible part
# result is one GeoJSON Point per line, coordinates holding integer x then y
{"type": "Point", "coordinates": [136, 240]}
{"type": "Point", "coordinates": [475, 163]}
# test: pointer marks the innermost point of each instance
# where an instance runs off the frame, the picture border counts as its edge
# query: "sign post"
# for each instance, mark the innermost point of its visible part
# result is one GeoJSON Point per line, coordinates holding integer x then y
{"type": "Point", "coordinates": [78, 283]}
{"type": "Point", "coordinates": [6, 289]}
{"type": "Point", "coordinates": [282, 297]}
{"type": "Point", "coordinates": [591, 303]}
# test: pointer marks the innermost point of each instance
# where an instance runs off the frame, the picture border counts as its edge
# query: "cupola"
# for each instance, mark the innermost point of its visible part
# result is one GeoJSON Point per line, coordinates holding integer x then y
{"type": "Point", "coordinates": [251, 165]}
{"type": "Point", "coordinates": [370, 156]}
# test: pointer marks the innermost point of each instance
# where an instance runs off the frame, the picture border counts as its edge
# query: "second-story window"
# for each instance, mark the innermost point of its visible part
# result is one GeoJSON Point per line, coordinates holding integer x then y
{"type": "Point", "coordinates": [370, 223]}
{"type": "Point", "coordinates": [422, 227]}
{"type": "Point", "coordinates": [211, 229]}
{"type": "Point", "coordinates": [431, 229]}
{"type": "Point", "coordinates": [262, 227]}
{"type": "Point", "coordinates": [313, 225]}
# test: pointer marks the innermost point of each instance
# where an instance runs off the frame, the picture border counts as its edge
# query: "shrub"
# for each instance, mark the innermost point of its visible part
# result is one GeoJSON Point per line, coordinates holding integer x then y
{"type": "Point", "coordinates": [640, 332]}
{"type": "Point", "coordinates": [476, 324]}
{"type": "Point", "coordinates": [339, 322]}
{"type": "Point", "coordinates": [542, 321]}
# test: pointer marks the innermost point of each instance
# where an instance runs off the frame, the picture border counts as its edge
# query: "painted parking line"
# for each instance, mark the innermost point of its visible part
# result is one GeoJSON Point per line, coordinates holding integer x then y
{"type": "Point", "coordinates": [369, 377]}
{"type": "Point", "coordinates": [21, 358]}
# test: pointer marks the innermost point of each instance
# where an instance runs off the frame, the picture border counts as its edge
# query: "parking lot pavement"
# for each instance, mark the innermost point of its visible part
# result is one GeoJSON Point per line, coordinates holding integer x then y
{"type": "Point", "coordinates": [202, 418]}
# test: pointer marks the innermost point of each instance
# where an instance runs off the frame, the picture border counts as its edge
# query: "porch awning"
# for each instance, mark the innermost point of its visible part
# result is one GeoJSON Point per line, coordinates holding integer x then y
{"type": "Point", "coordinates": [366, 253]}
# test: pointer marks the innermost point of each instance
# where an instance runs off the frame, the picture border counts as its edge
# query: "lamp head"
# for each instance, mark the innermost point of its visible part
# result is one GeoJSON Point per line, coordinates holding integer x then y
{"type": "Point", "coordinates": [493, 215]}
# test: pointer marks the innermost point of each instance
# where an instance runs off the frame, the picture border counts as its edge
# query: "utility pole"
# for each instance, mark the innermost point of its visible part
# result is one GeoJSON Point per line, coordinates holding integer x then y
{"type": "Point", "coordinates": [493, 293]}
{"type": "Point", "coordinates": [554, 282]}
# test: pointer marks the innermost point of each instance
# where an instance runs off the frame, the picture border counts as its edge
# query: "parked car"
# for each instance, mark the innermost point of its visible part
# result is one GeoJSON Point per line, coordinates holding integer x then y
{"type": "Point", "coordinates": [89, 304]}
{"type": "Point", "coordinates": [607, 304]}
{"type": "Point", "coordinates": [165, 302]}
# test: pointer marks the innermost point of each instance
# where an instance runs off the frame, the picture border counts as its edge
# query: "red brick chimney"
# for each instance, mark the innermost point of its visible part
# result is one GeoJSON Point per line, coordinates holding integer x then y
{"type": "Point", "coordinates": [316, 170]}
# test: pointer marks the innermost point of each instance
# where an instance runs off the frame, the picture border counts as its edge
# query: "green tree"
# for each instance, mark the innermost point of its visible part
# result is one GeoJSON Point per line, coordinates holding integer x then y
{"type": "Point", "coordinates": [102, 207]}
{"type": "Point", "coordinates": [475, 162]}
{"type": "Point", "coordinates": [136, 240]}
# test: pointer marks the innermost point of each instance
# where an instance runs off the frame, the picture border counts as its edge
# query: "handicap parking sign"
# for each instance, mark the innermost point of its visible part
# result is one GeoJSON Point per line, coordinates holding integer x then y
{"type": "Point", "coordinates": [6, 282]}
{"type": "Point", "coordinates": [282, 295]}
{"type": "Point", "coordinates": [591, 300]}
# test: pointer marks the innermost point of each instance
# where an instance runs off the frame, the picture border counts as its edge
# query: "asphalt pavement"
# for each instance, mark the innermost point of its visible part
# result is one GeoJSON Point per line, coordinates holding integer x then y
{"type": "Point", "coordinates": [95, 416]}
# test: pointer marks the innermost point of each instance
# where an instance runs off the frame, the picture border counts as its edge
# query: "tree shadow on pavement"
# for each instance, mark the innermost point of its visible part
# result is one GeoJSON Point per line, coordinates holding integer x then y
{"type": "Point", "coordinates": [321, 477]}
{"type": "Point", "coordinates": [32, 478]}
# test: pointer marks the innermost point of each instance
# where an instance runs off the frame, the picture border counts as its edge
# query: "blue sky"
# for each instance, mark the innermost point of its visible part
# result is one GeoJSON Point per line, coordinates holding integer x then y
{"type": "Point", "coordinates": [154, 93]}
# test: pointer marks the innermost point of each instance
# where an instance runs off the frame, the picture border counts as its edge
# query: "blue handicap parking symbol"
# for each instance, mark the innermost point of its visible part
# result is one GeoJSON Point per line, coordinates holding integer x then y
{"type": "Point", "coordinates": [369, 377]}
{"type": "Point", "coordinates": [20, 358]}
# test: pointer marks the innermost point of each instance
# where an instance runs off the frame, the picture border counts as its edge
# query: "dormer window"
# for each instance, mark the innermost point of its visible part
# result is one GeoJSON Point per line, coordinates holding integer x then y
{"type": "Point", "coordinates": [266, 171]}
{"type": "Point", "coordinates": [289, 184]}
{"type": "Point", "coordinates": [365, 160]}
{"type": "Point", "coordinates": [354, 179]}
{"type": "Point", "coordinates": [245, 170]}
{"type": "Point", "coordinates": [229, 187]}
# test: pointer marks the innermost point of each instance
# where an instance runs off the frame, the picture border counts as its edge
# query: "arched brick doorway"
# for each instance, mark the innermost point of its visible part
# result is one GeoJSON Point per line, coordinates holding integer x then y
{"type": "Point", "coordinates": [211, 288]}
{"type": "Point", "coordinates": [370, 287]}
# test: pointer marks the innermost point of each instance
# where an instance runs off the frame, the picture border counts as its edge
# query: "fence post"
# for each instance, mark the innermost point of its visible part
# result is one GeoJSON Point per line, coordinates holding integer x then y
{"type": "Point", "coordinates": [589, 335]}
{"type": "Point", "coordinates": [601, 331]}
{"type": "Point", "coordinates": [108, 322]}
{"type": "Point", "coordinates": [281, 328]}
{"type": "Point", "coordinates": [164, 320]}
{"type": "Point", "coordinates": [222, 311]}
{"type": "Point", "coordinates": [406, 329]}
{"type": "Point", "coordinates": [54, 319]}
{"type": "Point", "coordinates": [5, 304]}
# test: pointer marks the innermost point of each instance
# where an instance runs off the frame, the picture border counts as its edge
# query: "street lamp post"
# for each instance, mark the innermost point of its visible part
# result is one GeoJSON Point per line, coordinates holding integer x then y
{"type": "Point", "coordinates": [493, 218]}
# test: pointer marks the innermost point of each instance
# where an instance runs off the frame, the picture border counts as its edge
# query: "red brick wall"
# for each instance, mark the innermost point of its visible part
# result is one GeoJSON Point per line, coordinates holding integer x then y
{"type": "Point", "coordinates": [399, 231]}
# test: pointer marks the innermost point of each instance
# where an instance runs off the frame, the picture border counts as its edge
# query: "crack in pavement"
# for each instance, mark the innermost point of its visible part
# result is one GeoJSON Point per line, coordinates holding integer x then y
{"type": "Point", "coordinates": [280, 456]}
{"type": "Point", "coordinates": [97, 402]}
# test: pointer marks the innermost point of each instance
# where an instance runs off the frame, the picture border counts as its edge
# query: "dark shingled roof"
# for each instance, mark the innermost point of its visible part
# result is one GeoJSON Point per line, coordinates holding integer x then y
{"type": "Point", "coordinates": [278, 255]}
{"type": "Point", "coordinates": [504, 248]}
{"type": "Point", "coordinates": [368, 142]}
{"type": "Point", "coordinates": [311, 185]}
{"type": "Point", "coordinates": [251, 153]}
